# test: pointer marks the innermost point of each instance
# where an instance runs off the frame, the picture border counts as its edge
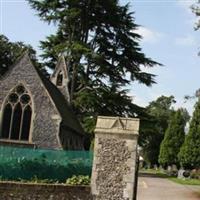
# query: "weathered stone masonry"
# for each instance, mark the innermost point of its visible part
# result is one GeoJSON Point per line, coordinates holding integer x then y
{"type": "Point", "coordinates": [42, 105]}
{"type": "Point", "coordinates": [113, 175]}
{"type": "Point", "coordinates": [114, 162]}
{"type": "Point", "coordinates": [53, 124]}
{"type": "Point", "coordinates": [27, 191]}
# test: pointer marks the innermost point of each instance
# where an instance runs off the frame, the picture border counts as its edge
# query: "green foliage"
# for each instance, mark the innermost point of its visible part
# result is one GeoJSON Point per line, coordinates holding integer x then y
{"type": "Point", "coordinates": [74, 180]}
{"type": "Point", "coordinates": [11, 51]}
{"type": "Point", "coordinates": [154, 173]}
{"type": "Point", "coordinates": [195, 174]}
{"type": "Point", "coordinates": [87, 30]}
{"type": "Point", "coordinates": [190, 151]}
{"type": "Point", "coordinates": [185, 181]}
{"type": "Point", "coordinates": [35, 179]}
{"type": "Point", "coordinates": [153, 127]}
{"type": "Point", "coordinates": [196, 10]}
{"type": "Point", "coordinates": [102, 53]}
{"type": "Point", "coordinates": [78, 180]}
{"type": "Point", "coordinates": [173, 139]}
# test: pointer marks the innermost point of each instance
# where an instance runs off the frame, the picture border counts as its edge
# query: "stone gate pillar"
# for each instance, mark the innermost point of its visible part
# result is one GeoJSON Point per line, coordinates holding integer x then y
{"type": "Point", "coordinates": [113, 173]}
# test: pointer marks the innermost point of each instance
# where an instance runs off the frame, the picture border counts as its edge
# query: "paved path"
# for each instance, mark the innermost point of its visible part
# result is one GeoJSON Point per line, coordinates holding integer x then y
{"type": "Point", "coordinates": [153, 188]}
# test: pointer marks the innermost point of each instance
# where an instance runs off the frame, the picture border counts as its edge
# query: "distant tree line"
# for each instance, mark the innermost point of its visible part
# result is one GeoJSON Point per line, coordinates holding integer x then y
{"type": "Point", "coordinates": [11, 51]}
{"type": "Point", "coordinates": [164, 139]}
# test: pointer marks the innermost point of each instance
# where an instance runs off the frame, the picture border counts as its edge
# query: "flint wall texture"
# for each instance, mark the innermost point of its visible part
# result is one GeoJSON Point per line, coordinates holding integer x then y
{"type": "Point", "coordinates": [20, 191]}
{"type": "Point", "coordinates": [45, 126]}
{"type": "Point", "coordinates": [113, 175]}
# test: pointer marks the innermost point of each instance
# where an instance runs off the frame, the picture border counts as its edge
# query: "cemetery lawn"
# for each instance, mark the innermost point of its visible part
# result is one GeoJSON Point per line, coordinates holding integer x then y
{"type": "Point", "coordinates": [185, 181]}
{"type": "Point", "coordinates": [157, 173]}
{"type": "Point", "coordinates": [162, 174]}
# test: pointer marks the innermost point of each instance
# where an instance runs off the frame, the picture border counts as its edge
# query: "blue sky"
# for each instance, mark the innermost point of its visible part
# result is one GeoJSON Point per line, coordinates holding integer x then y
{"type": "Point", "coordinates": [168, 34]}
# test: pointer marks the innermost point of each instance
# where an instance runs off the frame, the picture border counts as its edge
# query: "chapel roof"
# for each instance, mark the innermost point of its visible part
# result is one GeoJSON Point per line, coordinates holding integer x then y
{"type": "Point", "coordinates": [68, 117]}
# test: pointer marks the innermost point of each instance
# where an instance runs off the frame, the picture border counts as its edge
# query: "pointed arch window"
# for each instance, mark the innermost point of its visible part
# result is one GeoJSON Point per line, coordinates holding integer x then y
{"type": "Point", "coordinates": [59, 81]}
{"type": "Point", "coordinates": [17, 115]}
{"type": "Point", "coordinates": [7, 114]}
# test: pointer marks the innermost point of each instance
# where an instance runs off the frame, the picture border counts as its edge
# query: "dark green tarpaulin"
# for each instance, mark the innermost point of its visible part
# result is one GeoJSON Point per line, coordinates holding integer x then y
{"type": "Point", "coordinates": [25, 163]}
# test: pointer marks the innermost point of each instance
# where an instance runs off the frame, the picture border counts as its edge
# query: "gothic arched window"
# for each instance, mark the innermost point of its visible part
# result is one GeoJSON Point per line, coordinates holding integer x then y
{"type": "Point", "coordinates": [6, 121]}
{"type": "Point", "coordinates": [59, 81]}
{"type": "Point", "coordinates": [17, 115]}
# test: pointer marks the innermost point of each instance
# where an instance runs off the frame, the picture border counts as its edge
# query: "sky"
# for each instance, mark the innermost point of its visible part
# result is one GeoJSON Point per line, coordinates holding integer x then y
{"type": "Point", "coordinates": [167, 27]}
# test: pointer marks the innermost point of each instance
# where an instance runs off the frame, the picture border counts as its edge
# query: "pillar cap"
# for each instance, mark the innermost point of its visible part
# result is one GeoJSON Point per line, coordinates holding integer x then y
{"type": "Point", "coordinates": [118, 125]}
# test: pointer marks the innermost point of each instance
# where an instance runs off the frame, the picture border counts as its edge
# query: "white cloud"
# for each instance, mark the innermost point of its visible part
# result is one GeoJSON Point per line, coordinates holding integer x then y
{"type": "Point", "coordinates": [149, 36]}
{"type": "Point", "coordinates": [186, 41]}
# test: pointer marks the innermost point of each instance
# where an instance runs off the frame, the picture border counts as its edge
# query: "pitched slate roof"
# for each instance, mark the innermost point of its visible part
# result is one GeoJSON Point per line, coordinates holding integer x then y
{"type": "Point", "coordinates": [68, 117]}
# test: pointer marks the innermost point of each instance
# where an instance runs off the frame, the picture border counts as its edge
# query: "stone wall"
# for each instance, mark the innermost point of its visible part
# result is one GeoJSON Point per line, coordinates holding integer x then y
{"type": "Point", "coordinates": [113, 175]}
{"type": "Point", "coordinates": [53, 124]}
{"type": "Point", "coordinates": [22, 191]}
{"type": "Point", "coordinates": [45, 126]}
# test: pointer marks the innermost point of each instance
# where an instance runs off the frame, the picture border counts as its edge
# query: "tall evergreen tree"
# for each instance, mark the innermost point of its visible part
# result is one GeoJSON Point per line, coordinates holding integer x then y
{"type": "Point", "coordinates": [174, 138]}
{"type": "Point", "coordinates": [190, 151]}
{"type": "Point", "coordinates": [154, 126]}
{"type": "Point", "coordinates": [10, 51]}
{"type": "Point", "coordinates": [102, 53]}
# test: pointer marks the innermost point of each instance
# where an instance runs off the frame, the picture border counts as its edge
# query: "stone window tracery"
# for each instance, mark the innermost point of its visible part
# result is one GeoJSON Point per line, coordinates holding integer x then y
{"type": "Point", "coordinates": [17, 115]}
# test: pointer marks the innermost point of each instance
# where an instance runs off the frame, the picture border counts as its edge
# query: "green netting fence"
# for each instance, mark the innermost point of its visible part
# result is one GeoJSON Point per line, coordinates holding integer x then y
{"type": "Point", "coordinates": [56, 165]}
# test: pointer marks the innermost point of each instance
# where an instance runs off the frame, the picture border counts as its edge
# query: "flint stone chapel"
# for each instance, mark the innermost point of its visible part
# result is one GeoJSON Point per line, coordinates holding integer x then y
{"type": "Point", "coordinates": [34, 110]}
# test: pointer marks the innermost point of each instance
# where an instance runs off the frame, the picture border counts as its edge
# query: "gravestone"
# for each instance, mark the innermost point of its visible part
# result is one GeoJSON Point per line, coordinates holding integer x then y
{"type": "Point", "coordinates": [115, 152]}
{"type": "Point", "coordinates": [180, 173]}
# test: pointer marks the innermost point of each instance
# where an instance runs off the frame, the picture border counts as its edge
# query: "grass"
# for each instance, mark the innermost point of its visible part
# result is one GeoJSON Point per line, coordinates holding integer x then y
{"type": "Point", "coordinates": [185, 181]}
{"type": "Point", "coordinates": [162, 174]}
{"type": "Point", "coordinates": [153, 172]}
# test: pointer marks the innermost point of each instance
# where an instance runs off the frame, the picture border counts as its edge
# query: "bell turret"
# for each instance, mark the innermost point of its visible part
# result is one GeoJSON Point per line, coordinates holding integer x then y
{"type": "Point", "coordinates": [60, 78]}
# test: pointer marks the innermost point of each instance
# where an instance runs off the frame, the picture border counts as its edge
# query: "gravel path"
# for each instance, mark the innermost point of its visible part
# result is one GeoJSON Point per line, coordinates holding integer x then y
{"type": "Point", "coordinates": [153, 188]}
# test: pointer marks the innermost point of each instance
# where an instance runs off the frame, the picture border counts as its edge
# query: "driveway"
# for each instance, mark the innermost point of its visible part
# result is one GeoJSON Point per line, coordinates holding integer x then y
{"type": "Point", "coordinates": [154, 188]}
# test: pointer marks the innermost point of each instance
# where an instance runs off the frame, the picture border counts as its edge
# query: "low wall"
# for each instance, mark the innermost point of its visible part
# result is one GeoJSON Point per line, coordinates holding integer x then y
{"type": "Point", "coordinates": [27, 191]}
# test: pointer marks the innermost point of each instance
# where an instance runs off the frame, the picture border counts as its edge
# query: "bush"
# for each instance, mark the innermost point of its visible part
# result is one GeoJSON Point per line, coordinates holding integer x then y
{"type": "Point", "coordinates": [172, 173]}
{"type": "Point", "coordinates": [195, 174]}
{"type": "Point", "coordinates": [189, 154]}
{"type": "Point", "coordinates": [173, 139]}
{"type": "Point", "coordinates": [78, 180]}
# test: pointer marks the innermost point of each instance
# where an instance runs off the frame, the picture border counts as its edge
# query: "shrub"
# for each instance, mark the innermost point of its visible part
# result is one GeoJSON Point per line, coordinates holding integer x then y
{"type": "Point", "coordinates": [173, 140]}
{"type": "Point", "coordinates": [195, 174]}
{"type": "Point", "coordinates": [78, 180]}
{"type": "Point", "coordinates": [190, 150]}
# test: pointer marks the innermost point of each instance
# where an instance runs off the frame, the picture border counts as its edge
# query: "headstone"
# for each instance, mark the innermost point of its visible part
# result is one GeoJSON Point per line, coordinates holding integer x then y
{"type": "Point", "coordinates": [180, 173]}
